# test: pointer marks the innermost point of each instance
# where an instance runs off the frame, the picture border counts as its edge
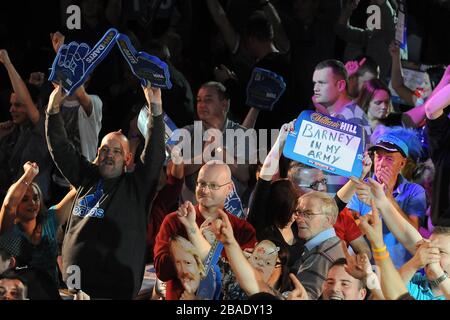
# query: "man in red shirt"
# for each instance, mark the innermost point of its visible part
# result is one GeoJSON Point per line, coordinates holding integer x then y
{"type": "Point", "coordinates": [213, 185]}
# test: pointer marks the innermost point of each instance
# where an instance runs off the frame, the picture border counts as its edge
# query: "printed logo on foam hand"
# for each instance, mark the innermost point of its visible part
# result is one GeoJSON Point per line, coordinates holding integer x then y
{"type": "Point", "coordinates": [327, 143]}
{"type": "Point", "coordinates": [74, 62]}
{"type": "Point", "coordinates": [264, 89]}
{"type": "Point", "coordinates": [145, 66]}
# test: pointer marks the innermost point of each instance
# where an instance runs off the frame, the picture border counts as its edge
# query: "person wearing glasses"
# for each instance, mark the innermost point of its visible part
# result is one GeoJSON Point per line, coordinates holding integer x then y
{"type": "Point", "coordinates": [315, 215]}
{"type": "Point", "coordinates": [311, 179]}
{"type": "Point", "coordinates": [213, 185]}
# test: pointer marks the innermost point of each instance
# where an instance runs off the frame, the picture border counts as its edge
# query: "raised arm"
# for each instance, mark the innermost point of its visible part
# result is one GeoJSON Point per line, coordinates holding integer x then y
{"type": "Point", "coordinates": [392, 217]}
{"type": "Point", "coordinates": [220, 18]}
{"type": "Point", "coordinates": [280, 38]}
{"type": "Point", "coordinates": [84, 99]}
{"type": "Point", "coordinates": [391, 283]}
{"type": "Point", "coordinates": [187, 216]}
{"type": "Point", "coordinates": [69, 161]}
{"type": "Point", "coordinates": [246, 275]}
{"type": "Point", "coordinates": [152, 157]}
{"type": "Point", "coordinates": [271, 163]}
{"type": "Point", "coordinates": [15, 195]}
{"type": "Point", "coordinates": [63, 208]}
{"type": "Point", "coordinates": [345, 30]}
{"type": "Point", "coordinates": [19, 87]}
{"type": "Point", "coordinates": [425, 254]}
{"type": "Point", "coordinates": [434, 107]}
{"type": "Point", "coordinates": [396, 75]}
{"type": "Point", "coordinates": [347, 191]}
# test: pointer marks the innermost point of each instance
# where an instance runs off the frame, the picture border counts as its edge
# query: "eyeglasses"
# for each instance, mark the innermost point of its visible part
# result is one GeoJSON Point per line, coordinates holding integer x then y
{"type": "Point", "coordinates": [306, 215]}
{"type": "Point", "coordinates": [315, 184]}
{"type": "Point", "coordinates": [210, 186]}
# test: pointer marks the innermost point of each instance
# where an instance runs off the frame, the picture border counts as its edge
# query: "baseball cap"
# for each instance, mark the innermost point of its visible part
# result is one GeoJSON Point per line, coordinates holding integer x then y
{"type": "Point", "coordinates": [391, 143]}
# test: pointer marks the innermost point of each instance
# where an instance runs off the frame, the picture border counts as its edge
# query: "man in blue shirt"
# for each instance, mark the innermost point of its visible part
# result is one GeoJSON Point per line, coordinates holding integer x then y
{"type": "Point", "coordinates": [391, 150]}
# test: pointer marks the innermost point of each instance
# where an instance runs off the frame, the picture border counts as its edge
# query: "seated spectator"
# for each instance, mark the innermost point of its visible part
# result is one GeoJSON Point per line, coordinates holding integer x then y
{"type": "Point", "coordinates": [434, 284]}
{"type": "Point", "coordinates": [274, 201]}
{"type": "Point", "coordinates": [22, 139]}
{"type": "Point", "coordinates": [23, 213]}
{"type": "Point", "coordinates": [315, 216]}
{"type": "Point", "coordinates": [213, 186]}
{"type": "Point", "coordinates": [213, 104]}
{"type": "Point", "coordinates": [392, 147]}
{"type": "Point", "coordinates": [330, 92]}
{"type": "Point", "coordinates": [311, 179]}
{"type": "Point", "coordinates": [340, 285]}
{"type": "Point", "coordinates": [12, 287]}
{"type": "Point", "coordinates": [429, 254]}
{"type": "Point", "coordinates": [15, 257]}
{"type": "Point", "coordinates": [375, 100]}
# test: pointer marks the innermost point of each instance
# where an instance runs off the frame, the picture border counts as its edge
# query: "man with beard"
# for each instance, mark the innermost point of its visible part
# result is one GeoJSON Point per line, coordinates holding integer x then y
{"type": "Point", "coordinates": [189, 266]}
{"type": "Point", "coordinates": [213, 186]}
{"type": "Point", "coordinates": [105, 234]}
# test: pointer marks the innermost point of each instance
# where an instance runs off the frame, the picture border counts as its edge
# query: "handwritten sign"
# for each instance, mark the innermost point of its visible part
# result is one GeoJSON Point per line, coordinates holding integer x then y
{"type": "Point", "coordinates": [74, 62]}
{"type": "Point", "coordinates": [145, 66]}
{"type": "Point", "coordinates": [326, 143]}
{"type": "Point", "coordinates": [264, 89]}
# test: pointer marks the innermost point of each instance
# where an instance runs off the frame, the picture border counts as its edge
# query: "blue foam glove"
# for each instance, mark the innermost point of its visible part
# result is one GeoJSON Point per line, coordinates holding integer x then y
{"type": "Point", "coordinates": [264, 89]}
{"type": "Point", "coordinates": [145, 66]}
{"type": "Point", "coordinates": [75, 62]}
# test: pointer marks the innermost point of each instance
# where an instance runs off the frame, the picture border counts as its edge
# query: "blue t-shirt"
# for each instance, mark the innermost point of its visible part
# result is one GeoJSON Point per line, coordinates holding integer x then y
{"type": "Point", "coordinates": [419, 288]}
{"type": "Point", "coordinates": [412, 200]}
{"type": "Point", "coordinates": [43, 256]}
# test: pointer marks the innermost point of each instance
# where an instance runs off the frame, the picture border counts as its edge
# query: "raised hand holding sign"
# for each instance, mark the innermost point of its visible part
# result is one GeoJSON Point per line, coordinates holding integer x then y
{"type": "Point", "coordinates": [74, 62]}
{"type": "Point", "coordinates": [145, 66]}
{"type": "Point", "coordinates": [264, 89]}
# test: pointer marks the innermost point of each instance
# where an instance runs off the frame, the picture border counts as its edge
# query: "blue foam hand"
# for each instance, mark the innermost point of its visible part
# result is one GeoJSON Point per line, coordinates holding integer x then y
{"type": "Point", "coordinates": [75, 62]}
{"type": "Point", "coordinates": [264, 89]}
{"type": "Point", "coordinates": [146, 67]}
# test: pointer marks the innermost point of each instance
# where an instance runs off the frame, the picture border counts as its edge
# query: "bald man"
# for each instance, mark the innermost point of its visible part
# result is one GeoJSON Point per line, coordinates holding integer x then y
{"type": "Point", "coordinates": [104, 245]}
{"type": "Point", "coordinates": [212, 187]}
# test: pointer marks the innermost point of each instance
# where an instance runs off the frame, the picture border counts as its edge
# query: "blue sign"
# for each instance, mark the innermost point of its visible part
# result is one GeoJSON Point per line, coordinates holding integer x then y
{"type": "Point", "coordinates": [75, 62]}
{"type": "Point", "coordinates": [327, 143]}
{"type": "Point", "coordinates": [264, 89]}
{"type": "Point", "coordinates": [145, 66]}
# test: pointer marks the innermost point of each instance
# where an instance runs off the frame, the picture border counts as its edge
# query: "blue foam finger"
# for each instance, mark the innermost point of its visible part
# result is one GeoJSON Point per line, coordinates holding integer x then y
{"type": "Point", "coordinates": [264, 89]}
{"type": "Point", "coordinates": [146, 67]}
{"type": "Point", "coordinates": [74, 62]}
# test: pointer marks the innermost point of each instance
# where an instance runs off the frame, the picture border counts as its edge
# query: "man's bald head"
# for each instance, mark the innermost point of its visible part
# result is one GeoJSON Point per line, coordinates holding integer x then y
{"type": "Point", "coordinates": [213, 185]}
{"type": "Point", "coordinates": [219, 169]}
{"type": "Point", "coordinates": [123, 140]}
{"type": "Point", "coordinates": [114, 155]}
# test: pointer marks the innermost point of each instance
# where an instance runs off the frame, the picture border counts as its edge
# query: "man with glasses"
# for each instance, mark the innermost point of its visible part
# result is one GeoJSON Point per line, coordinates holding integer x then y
{"type": "Point", "coordinates": [312, 179]}
{"type": "Point", "coordinates": [315, 216]}
{"type": "Point", "coordinates": [212, 187]}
